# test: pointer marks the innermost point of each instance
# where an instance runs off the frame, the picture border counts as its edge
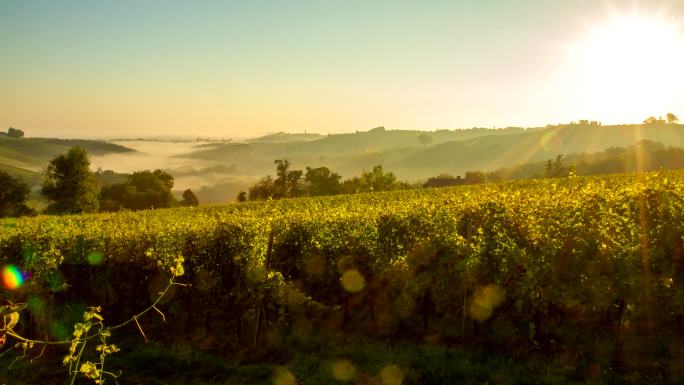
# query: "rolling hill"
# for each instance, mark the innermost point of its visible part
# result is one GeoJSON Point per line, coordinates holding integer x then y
{"type": "Point", "coordinates": [221, 169]}
{"type": "Point", "coordinates": [415, 155]}
{"type": "Point", "coordinates": [27, 157]}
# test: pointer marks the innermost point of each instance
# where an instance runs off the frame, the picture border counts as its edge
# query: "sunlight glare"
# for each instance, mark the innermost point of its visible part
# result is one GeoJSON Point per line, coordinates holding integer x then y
{"type": "Point", "coordinates": [630, 67]}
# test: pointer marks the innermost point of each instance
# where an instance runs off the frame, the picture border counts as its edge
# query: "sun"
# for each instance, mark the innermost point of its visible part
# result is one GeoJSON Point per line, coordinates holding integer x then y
{"type": "Point", "coordinates": [629, 67]}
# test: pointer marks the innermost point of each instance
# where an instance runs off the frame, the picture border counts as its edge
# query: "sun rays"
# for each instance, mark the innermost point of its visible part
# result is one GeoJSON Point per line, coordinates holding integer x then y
{"type": "Point", "coordinates": [628, 66]}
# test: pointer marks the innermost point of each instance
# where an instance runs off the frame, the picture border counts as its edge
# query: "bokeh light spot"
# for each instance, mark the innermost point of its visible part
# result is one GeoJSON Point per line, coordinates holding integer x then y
{"type": "Point", "coordinates": [485, 300]}
{"type": "Point", "coordinates": [353, 281]}
{"type": "Point", "coordinates": [343, 370]}
{"type": "Point", "coordinates": [392, 375]}
{"type": "Point", "coordinates": [282, 376]}
{"type": "Point", "coordinates": [95, 258]}
{"type": "Point", "coordinates": [11, 277]}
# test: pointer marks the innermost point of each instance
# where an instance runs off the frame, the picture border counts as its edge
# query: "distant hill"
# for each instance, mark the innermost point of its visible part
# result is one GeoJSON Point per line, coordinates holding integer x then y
{"type": "Point", "coordinates": [345, 153]}
{"type": "Point", "coordinates": [491, 152]}
{"type": "Point", "coordinates": [645, 155]}
{"type": "Point", "coordinates": [415, 155]}
{"type": "Point", "coordinates": [379, 139]}
{"type": "Point", "coordinates": [27, 157]}
{"type": "Point", "coordinates": [283, 137]}
{"type": "Point", "coordinates": [216, 171]}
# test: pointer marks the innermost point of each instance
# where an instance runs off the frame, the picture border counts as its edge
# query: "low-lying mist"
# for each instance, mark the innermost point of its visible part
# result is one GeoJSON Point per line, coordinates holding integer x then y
{"type": "Point", "coordinates": [212, 182]}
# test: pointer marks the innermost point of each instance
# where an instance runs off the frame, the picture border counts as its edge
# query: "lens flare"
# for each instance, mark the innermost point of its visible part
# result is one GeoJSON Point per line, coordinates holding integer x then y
{"type": "Point", "coordinates": [485, 300]}
{"type": "Point", "coordinates": [11, 277]}
{"type": "Point", "coordinates": [95, 258]}
{"type": "Point", "coordinates": [353, 281]}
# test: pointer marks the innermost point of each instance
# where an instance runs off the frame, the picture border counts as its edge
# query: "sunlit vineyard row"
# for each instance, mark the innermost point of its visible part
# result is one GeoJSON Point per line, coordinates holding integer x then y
{"type": "Point", "coordinates": [526, 263]}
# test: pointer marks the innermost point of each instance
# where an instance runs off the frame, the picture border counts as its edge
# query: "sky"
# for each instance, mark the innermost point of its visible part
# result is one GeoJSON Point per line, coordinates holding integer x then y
{"type": "Point", "coordinates": [232, 69]}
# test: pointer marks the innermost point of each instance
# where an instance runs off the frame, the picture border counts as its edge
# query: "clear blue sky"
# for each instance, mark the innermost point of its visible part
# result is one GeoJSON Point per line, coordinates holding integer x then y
{"type": "Point", "coordinates": [230, 69]}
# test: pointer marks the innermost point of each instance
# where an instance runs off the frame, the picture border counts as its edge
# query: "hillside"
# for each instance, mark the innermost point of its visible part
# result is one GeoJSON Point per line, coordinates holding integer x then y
{"type": "Point", "coordinates": [221, 169]}
{"type": "Point", "coordinates": [30, 177]}
{"type": "Point", "coordinates": [488, 153]}
{"type": "Point", "coordinates": [645, 155]}
{"type": "Point", "coordinates": [26, 156]}
{"type": "Point", "coordinates": [415, 155]}
{"type": "Point", "coordinates": [283, 137]}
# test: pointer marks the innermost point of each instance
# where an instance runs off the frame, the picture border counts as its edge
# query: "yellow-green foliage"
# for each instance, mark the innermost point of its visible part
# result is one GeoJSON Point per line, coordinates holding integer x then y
{"type": "Point", "coordinates": [571, 249]}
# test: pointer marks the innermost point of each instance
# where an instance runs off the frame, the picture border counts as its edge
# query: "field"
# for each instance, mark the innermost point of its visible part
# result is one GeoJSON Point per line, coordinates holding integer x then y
{"type": "Point", "coordinates": [569, 280]}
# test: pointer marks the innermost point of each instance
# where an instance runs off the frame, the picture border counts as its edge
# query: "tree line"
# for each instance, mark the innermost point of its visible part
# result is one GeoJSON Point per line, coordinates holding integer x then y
{"type": "Point", "coordinates": [320, 181]}
{"type": "Point", "coordinates": [71, 187]}
{"type": "Point", "coordinates": [13, 133]}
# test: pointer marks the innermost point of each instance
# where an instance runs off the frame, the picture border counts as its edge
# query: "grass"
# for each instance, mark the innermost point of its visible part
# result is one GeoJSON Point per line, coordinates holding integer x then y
{"type": "Point", "coordinates": [325, 359]}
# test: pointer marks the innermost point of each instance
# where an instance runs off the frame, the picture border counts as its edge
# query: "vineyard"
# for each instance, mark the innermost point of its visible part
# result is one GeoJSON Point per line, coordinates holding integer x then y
{"type": "Point", "coordinates": [587, 271]}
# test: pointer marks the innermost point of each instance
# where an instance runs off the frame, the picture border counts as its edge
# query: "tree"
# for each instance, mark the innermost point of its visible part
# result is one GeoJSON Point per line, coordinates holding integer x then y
{"type": "Point", "coordinates": [109, 177]}
{"type": "Point", "coordinates": [150, 189]}
{"type": "Point", "coordinates": [295, 187]}
{"type": "Point", "coordinates": [70, 184]}
{"type": "Point", "coordinates": [474, 177]}
{"type": "Point", "coordinates": [112, 197]}
{"type": "Point", "coordinates": [557, 168]}
{"type": "Point", "coordinates": [377, 180]}
{"type": "Point", "coordinates": [352, 186]}
{"type": "Point", "coordinates": [280, 183]}
{"type": "Point", "coordinates": [15, 133]}
{"type": "Point", "coordinates": [288, 183]}
{"type": "Point", "coordinates": [671, 118]}
{"type": "Point", "coordinates": [242, 196]}
{"type": "Point", "coordinates": [13, 196]}
{"type": "Point", "coordinates": [262, 190]}
{"type": "Point", "coordinates": [650, 120]}
{"type": "Point", "coordinates": [321, 181]}
{"type": "Point", "coordinates": [142, 190]}
{"type": "Point", "coordinates": [424, 139]}
{"type": "Point", "coordinates": [317, 181]}
{"type": "Point", "coordinates": [189, 198]}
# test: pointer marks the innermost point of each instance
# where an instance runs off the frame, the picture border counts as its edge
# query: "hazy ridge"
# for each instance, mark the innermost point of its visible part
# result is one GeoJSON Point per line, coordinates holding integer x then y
{"type": "Point", "coordinates": [218, 170]}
